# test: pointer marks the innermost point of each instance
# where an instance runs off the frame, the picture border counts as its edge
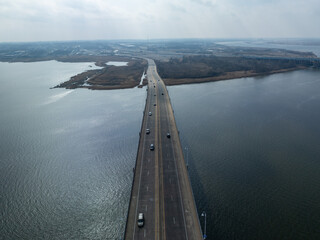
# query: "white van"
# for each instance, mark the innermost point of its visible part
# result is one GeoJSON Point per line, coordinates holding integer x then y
{"type": "Point", "coordinates": [140, 220]}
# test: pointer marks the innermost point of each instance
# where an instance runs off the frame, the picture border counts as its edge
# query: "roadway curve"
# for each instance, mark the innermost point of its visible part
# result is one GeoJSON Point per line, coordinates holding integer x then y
{"type": "Point", "coordinates": [161, 187]}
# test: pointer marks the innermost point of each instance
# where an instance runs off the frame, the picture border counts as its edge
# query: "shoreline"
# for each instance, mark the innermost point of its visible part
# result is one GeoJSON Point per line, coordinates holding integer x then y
{"type": "Point", "coordinates": [225, 77]}
{"type": "Point", "coordinates": [124, 77]}
{"type": "Point", "coordinates": [173, 81]}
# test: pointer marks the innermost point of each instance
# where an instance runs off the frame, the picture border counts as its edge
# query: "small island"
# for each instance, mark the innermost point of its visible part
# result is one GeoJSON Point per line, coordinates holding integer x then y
{"type": "Point", "coordinates": [109, 76]}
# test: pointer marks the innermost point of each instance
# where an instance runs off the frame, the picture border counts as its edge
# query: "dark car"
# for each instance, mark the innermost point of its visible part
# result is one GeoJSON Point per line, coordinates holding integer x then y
{"type": "Point", "coordinates": [151, 147]}
{"type": "Point", "coordinates": [147, 131]}
{"type": "Point", "coordinates": [168, 135]}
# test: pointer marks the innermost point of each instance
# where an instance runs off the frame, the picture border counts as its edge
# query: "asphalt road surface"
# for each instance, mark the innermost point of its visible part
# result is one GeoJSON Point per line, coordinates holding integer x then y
{"type": "Point", "coordinates": [161, 187]}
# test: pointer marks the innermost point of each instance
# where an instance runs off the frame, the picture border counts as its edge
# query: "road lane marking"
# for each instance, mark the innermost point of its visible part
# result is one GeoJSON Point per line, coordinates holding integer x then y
{"type": "Point", "coordinates": [158, 163]}
{"type": "Point", "coordinates": [171, 124]}
{"type": "Point", "coordinates": [162, 202]}
{"type": "Point", "coordinates": [145, 118]}
{"type": "Point", "coordinates": [180, 194]}
{"type": "Point", "coordinates": [156, 216]}
{"type": "Point", "coordinates": [158, 166]}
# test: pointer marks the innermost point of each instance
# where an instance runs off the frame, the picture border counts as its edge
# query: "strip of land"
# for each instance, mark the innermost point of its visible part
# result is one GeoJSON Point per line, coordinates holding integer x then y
{"type": "Point", "coordinates": [199, 69]}
{"type": "Point", "coordinates": [185, 70]}
{"type": "Point", "coordinates": [224, 76]}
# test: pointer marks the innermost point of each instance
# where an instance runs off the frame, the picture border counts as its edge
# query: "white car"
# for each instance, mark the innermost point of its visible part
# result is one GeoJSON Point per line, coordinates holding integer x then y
{"type": "Point", "coordinates": [140, 220]}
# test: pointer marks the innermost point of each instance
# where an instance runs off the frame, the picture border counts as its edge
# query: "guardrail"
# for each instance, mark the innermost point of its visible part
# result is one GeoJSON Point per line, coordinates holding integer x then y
{"type": "Point", "coordinates": [135, 166]}
{"type": "Point", "coordinates": [175, 123]}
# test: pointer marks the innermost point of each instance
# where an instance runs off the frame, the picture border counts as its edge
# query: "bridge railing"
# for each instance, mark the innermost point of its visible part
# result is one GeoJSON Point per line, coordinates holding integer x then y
{"type": "Point", "coordinates": [135, 167]}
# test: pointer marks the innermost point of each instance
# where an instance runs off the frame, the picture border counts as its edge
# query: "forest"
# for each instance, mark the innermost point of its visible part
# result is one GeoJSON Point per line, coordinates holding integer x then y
{"type": "Point", "coordinates": [213, 66]}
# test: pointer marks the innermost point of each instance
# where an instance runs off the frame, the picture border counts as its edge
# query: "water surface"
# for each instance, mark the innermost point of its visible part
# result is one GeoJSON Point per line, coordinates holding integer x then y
{"type": "Point", "coordinates": [66, 155]}
{"type": "Point", "coordinates": [254, 155]}
{"type": "Point", "coordinates": [304, 45]}
{"type": "Point", "coordinates": [118, 64]}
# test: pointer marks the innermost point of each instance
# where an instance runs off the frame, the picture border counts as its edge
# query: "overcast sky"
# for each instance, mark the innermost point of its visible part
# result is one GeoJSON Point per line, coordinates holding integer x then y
{"type": "Point", "coordinates": [42, 20]}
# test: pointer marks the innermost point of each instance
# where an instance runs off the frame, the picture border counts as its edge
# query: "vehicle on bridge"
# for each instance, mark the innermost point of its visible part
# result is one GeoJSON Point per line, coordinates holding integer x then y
{"type": "Point", "coordinates": [147, 131]}
{"type": "Point", "coordinates": [140, 220]}
{"type": "Point", "coordinates": [150, 113]}
{"type": "Point", "coordinates": [151, 147]}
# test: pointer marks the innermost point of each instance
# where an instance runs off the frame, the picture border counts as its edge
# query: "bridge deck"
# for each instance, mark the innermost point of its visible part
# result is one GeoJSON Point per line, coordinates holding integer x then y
{"type": "Point", "coordinates": [161, 187]}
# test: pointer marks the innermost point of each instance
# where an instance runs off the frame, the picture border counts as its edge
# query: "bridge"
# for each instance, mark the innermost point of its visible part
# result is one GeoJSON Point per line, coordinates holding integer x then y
{"type": "Point", "coordinates": [161, 187]}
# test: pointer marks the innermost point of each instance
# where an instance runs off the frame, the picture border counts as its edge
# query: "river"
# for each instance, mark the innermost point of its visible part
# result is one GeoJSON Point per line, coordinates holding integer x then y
{"type": "Point", "coordinates": [254, 155]}
{"type": "Point", "coordinates": [67, 155]}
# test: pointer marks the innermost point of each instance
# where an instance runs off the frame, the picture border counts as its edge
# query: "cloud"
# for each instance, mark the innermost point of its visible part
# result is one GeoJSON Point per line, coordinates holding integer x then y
{"type": "Point", "coordinates": [31, 20]}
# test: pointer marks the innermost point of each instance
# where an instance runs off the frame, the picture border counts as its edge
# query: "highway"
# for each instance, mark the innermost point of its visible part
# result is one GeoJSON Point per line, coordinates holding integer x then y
{"type": "Point", "coordinates": [161, 188]}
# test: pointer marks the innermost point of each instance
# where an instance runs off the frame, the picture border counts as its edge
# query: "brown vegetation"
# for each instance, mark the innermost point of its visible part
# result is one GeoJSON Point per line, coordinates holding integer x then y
{"type": "Point", "coordinates": [110, 77]}
{"type": "Point", "coordinates": [196, 69]}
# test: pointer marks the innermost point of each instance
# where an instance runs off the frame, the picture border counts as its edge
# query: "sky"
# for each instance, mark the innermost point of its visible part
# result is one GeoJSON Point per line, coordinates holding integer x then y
{"type": "Point", "coordinates": [60, 20]}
